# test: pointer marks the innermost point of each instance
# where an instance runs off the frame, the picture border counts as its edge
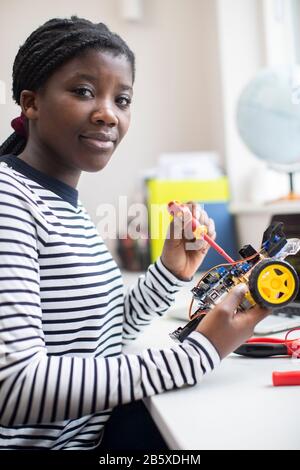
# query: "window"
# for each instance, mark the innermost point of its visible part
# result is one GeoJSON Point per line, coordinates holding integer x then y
{"type": "Point", "coordinates": [282, 31]}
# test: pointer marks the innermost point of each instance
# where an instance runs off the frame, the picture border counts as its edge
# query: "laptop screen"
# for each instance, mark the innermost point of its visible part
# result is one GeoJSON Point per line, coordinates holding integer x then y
{"type": "Point", "coordinates": [292, 230]}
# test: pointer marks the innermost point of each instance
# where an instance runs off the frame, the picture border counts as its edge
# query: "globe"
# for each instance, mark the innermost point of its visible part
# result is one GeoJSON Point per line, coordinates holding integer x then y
{"type": "Point", "coordinates": [268, 117]}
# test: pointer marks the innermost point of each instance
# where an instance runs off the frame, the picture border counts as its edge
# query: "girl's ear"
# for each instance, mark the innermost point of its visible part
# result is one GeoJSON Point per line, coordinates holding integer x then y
{"type": "Point", "coordinates": [28, 103]}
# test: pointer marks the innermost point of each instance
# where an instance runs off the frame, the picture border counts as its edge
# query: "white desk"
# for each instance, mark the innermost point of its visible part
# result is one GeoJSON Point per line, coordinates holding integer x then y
{"type": "Point", "coordinates": [235, 407]}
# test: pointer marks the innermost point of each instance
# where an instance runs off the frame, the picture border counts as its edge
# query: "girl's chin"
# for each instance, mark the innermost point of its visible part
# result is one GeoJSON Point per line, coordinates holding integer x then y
{"type": "Point", "coordinates": [95, 164]}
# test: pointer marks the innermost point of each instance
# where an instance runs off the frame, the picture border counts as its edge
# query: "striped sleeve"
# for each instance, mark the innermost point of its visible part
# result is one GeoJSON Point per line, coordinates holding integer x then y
{"type": "Point", "coordinates": [153, 295]}
{"type": "Point", "coordinates": [47, 389]}
{"type": "Point", "coordinates": [36, 387]}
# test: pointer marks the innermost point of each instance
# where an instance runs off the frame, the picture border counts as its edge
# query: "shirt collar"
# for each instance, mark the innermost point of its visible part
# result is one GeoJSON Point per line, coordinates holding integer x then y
{"type": "Point", "coordinates": [63, 190]}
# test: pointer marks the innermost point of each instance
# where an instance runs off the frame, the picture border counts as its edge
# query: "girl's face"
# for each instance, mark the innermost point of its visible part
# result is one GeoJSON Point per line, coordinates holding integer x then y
{"type": "Point", "coordinates": [82, 114]}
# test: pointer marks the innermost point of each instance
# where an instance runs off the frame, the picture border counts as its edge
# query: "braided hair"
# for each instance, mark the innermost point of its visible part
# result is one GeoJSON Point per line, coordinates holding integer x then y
{"type": "Point", "coordinates": [49, 47]}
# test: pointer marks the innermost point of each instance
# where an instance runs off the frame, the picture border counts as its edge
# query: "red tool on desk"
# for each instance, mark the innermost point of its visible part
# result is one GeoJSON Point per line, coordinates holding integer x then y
{"type": "Point", "coordinates": [291, 377]}
{"type": "Point", "coordinates": [266, 347]}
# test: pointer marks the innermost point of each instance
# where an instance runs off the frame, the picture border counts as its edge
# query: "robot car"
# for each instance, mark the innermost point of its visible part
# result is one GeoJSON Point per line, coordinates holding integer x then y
{"type": "Point", "coordinates": [272, 281]}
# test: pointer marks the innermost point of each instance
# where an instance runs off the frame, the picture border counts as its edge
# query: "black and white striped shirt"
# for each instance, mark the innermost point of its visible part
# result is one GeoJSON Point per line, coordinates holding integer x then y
{"type": "Point", "coordinates": [64, 318]}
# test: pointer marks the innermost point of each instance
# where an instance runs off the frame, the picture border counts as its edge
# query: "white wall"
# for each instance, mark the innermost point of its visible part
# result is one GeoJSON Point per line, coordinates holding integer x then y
{"type": "Point", "coordinates": [242, 54]}
{"type": "Point", "coordinates": [176, 102]}
{"type": "Point", "coordinates": [245, 47]}
{"type": "Point", "coordinates": [193, 59]}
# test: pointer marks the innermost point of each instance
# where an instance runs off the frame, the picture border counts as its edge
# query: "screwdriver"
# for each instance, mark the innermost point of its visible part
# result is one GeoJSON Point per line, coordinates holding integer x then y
{"type": "Point", "coordinates": [199, 231]}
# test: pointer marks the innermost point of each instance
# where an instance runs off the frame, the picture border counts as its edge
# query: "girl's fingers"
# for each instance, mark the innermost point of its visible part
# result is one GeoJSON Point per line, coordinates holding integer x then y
{"type": "Point", "coordinates": [198, 245]}
{"type": "Point", "coordinates": [212, 229]}
{"type": "Point", "coordinates": [192, 206]}
{"type": "Point", "coordinates": [183, 221]}
{"type": "Point", "coordinates": [198, 213]}
{"type": "Point", "coordinates": [181, 224]}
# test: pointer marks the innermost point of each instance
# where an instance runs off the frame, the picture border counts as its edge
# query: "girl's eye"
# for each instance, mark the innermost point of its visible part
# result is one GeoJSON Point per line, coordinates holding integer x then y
{"type": "Point", "coordinates": [124, 101]}
{"type": "Point", "coordinates": [83, 91]}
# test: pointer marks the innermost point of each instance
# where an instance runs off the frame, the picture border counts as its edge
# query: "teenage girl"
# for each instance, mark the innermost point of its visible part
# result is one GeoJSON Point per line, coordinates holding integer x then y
{"type": "Point", "coordinates": [64, 315]}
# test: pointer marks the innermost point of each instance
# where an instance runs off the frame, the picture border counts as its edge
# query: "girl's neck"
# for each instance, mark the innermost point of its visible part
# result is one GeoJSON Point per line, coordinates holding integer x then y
{"type": "Point", "coordinates": [49, 164]}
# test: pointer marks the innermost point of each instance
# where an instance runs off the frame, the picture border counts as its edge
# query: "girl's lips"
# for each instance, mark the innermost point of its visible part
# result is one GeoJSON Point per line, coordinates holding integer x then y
{"type": "Point", "coordinates": [96, 143]}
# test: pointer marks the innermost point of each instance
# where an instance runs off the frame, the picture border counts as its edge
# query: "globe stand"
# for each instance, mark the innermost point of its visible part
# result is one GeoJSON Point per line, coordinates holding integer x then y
{"type": "Point", "coordinates": [291, 196]}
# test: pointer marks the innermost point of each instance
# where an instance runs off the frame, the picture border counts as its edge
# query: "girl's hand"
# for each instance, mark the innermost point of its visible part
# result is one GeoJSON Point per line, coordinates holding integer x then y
{"type": "Point", "coordinates": [227, 330]}
{"type": "Point", "coordinates": [182, 253]}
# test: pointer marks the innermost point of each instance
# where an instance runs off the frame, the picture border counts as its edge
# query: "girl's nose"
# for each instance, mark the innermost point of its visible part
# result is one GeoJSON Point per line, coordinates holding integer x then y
{"type": "Point", "coordinates": [104, 114]}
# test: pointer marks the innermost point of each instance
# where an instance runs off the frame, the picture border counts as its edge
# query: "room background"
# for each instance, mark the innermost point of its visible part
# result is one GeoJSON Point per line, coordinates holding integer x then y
{"type": "Point", "coordinates": [193, 59]}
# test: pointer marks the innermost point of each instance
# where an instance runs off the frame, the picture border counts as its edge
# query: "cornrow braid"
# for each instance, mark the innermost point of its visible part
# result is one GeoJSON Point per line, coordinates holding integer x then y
{"type": "Point", "coordinates": [49, 47]}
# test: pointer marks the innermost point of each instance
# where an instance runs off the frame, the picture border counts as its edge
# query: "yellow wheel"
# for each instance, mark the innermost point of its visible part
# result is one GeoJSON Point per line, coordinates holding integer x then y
{"type": "Point", "coordinates": [273, 283]}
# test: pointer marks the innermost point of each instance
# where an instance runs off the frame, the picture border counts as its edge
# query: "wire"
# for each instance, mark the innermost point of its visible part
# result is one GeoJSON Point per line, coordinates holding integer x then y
{"type": "Point", "coordinates": [293, 345]}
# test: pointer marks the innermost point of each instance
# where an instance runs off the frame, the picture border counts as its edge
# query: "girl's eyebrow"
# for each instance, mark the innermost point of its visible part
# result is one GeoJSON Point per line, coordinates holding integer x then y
{"type": "Point", "coordinates": [92, 78]}
{"type": "Point", "coordinates": [85, 76]}
{"type": "Point", "coordinates": [126, 87]}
